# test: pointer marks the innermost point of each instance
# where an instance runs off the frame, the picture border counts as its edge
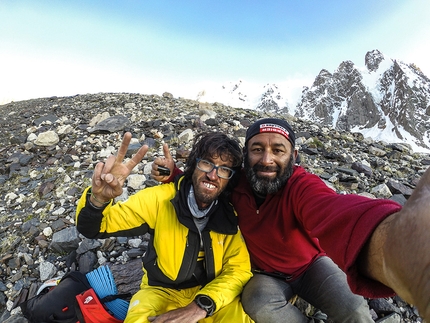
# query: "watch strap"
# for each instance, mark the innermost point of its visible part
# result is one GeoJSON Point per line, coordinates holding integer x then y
{"type": "Point", "coordinates": [206, 303]}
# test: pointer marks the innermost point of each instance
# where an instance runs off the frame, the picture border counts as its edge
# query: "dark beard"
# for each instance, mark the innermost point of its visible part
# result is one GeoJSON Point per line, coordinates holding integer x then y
{"type": "Point", "coordinates": [199, 195]}
{"type": "Point", "coordinates": [263, 185]}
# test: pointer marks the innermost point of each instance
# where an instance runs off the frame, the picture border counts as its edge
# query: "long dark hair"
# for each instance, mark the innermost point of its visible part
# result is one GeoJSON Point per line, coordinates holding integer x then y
{"type": "Point", "coordinates": [215, 144]}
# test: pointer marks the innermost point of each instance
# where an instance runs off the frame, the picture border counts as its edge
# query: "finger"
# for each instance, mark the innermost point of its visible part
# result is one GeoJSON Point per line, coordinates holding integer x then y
{"type": "Point", "coordinates": [167, 160]}
{"type": "Point", "coordinates": [108, 165]}
{"type": "Point", "coordinates": [421, 194]}
{"type": "Point", "coordinates": [155, 175]}
{"type": "Point", "coordinates": [96, 180]}
{"type": "Point", "coordinates": [166, 152]}
{"type": "Point", "coordinates": [137, 158]}
{"type": "Point", "coordinates": [154, 169]}
{"type": "Point", "coordinates": [114, 184]}
{"type": "Point", "coordinates": [159, 161]}
{"type": "Point", "coordinates": [123, 148]}
{"type": "Point", "coordinates": [151, 318]}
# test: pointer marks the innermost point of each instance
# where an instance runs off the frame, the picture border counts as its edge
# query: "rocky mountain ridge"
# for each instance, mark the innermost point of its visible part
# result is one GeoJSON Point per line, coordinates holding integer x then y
{"type": "Point", "coordinates": [388, 100]}
{"type": "Point", "coordinates": [50, 147]}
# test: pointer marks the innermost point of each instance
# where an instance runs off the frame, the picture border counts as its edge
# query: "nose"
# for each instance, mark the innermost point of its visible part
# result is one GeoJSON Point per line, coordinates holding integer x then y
{"type": "Point", "coordinates": [267, 158]}
{"type": "Point", "coordinates": [212, 175]}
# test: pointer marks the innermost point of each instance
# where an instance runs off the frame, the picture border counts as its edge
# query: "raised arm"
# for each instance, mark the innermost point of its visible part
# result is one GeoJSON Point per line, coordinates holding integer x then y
{"type": "Point", "coordinates": [398, 253]}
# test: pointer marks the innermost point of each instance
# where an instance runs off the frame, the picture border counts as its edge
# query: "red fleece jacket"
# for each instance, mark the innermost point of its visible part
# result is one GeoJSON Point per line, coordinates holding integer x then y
{"type": "Point", "coordinates": [306, 219]}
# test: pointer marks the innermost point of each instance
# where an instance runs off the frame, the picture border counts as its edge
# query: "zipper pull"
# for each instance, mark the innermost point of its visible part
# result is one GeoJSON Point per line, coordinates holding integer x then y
{"type": "Point", "coordinates": [258, 211]}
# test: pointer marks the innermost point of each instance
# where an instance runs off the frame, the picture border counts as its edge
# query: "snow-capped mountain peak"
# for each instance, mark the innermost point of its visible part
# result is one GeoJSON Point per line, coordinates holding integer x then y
{"type": "Point", "coordinates": [386, 99]}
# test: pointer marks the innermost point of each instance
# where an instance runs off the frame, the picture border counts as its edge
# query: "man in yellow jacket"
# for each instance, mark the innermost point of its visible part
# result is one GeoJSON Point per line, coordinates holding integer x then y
{"type": "Point", "coordinates": [196, 263]}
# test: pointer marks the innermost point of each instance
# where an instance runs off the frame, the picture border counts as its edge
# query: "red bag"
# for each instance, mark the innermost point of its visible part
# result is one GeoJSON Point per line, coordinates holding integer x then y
{"type": "Point", "coordinates": [92, 309]}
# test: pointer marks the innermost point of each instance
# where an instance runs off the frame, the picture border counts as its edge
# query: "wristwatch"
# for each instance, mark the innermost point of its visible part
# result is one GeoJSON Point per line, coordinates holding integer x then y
{"type": "Point", "coordinates": [206, 303]}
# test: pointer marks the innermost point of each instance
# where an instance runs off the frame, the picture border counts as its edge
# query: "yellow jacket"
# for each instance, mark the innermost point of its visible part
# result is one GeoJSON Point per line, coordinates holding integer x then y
{"type": "Point", "coordinates": [173, 251]}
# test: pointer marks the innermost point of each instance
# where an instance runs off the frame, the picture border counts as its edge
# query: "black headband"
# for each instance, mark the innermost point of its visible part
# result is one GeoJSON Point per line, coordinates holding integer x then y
{"type": "Point", "coordinates": [271, 125]}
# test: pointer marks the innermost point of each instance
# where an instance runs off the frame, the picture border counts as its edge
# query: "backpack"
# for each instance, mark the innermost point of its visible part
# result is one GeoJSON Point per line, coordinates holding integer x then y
{"type": "Point", "coordinates": [58, 305]}
{"type": "Point", "coordinates": [76, 299]}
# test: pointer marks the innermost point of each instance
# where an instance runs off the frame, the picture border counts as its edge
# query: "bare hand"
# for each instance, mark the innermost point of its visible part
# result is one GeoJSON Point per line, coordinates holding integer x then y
{"type": "Point", "coordinates": [109, 177]}
{"type": "Point", "coordinates": [398, 252]}
{"type": "Point", "coordinates": [189, 314]}
{"type": "Point", "coordinates": [166, 161]}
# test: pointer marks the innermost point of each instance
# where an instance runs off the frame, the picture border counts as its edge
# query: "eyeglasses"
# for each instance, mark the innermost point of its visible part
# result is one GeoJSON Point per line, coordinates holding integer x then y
{"type": "Point", "coordinates": [221, 171]}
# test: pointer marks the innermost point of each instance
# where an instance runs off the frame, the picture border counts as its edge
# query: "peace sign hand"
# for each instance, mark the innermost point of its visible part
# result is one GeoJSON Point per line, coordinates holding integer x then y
{"type": "Point", "coordinates": [109, 177]}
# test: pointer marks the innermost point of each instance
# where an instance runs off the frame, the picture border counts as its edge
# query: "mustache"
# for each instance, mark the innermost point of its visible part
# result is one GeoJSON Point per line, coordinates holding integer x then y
{"type": "Point", "coordinates": [261, 168]}
{"type": "Point", "coordinates": [207, 179]}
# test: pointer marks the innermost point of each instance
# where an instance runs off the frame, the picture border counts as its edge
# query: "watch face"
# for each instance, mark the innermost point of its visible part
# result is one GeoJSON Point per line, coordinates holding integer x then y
{"type": "Point", "coordinates": [205, 301]}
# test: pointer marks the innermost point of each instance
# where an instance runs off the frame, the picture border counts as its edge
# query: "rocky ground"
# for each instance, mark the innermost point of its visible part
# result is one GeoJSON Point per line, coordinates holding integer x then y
{"type": "Point", "coordinates": [49, 147]}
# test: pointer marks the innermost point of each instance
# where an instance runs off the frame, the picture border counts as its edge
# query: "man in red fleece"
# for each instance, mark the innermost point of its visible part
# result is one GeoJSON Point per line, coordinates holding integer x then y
{"type": "Point", "coordinates": [290, 219]}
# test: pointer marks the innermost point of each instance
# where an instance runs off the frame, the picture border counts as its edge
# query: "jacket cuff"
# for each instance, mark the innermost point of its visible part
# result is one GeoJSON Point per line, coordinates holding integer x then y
{"type": "Point", "coordinates": [91, 205]}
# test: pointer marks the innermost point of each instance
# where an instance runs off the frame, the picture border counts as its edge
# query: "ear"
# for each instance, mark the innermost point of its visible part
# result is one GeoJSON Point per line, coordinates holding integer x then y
{"type": "Point", "coordinates": [297, 159]}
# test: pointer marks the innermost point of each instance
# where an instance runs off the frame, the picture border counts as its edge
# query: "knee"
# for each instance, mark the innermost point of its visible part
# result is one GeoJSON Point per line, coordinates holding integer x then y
{"type": "Point", "coordinates": [252, 301]}
{"type": "Point", "coordinates": [268, 310]}
{"type": "Point", "coordinates": [256, 303]}
{"type": "Point", "coordinates": [355, 312]}
{"type": "Point", "coordinates": [258, 308]}
{"type": "Point", "coordinates": [263, 292]}
{"type": "Point", "coordinates": [250, 297]}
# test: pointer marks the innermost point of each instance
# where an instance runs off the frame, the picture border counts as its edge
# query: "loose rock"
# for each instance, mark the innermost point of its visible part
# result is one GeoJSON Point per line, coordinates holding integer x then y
{"type": "Point", "coordinates": [50, 146]}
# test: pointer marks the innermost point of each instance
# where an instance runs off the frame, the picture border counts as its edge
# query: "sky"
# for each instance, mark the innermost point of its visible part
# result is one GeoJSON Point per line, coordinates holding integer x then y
{"type": "Point", "coordinates": [63, 48]}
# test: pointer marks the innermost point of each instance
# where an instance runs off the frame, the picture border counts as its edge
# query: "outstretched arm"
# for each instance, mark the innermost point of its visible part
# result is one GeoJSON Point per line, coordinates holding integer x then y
{"type": "Point", "coordinates": [398, 253]}
{"type": "Point", "coordinates": [109, 177]}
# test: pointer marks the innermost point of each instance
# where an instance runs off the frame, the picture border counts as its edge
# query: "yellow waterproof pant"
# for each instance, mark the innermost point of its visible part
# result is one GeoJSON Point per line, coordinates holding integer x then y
{"type": "Point", "coordinates": [154, 301]}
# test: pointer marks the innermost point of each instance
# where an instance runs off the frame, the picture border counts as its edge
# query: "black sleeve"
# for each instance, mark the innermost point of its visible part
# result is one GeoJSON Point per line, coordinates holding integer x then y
{"type": "Point", "coordinates": [89, 223]}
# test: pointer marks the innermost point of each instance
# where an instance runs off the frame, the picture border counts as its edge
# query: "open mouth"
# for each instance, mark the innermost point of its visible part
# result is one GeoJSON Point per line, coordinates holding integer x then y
{"type": "Point", "coordinates": [208, 185]}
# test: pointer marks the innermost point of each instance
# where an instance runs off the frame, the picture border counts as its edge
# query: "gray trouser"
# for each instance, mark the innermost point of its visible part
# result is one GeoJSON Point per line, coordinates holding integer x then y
{"type": "Point", "coordinates": [323, 285]}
